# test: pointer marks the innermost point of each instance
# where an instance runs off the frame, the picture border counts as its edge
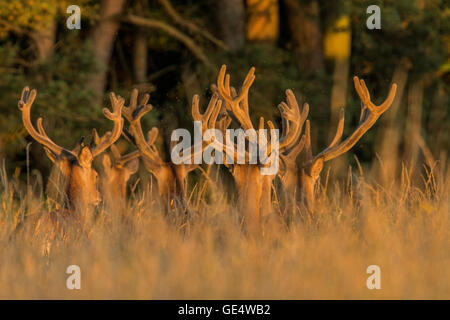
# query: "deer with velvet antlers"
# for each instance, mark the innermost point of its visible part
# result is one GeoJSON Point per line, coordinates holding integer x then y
{"type": "Point", "coordinates": [170, 177]}
{"type": "Point", "coordinates": [117, 170]}
{"type": "Point", "coordinates": [304, 177]}
{"type": "Point", "coordinates": [80, 178]}
{"type": "Point", "coordinates": [255, 190]}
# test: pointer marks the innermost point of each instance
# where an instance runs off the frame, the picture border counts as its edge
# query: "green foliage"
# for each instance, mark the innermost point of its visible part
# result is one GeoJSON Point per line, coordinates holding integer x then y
{"type": "Point", "coordinates": [276, 71]}
{"type": "Point", "coordinates": [23, 15]}
{"type": "Point", "coordinates": [63, 99]}
{"type": "Point", "coordinates": [413, 33]}
{"type": "Point", "coordinates": [408, 33]}
{"type": "Point", "coordinates": [416, 35]}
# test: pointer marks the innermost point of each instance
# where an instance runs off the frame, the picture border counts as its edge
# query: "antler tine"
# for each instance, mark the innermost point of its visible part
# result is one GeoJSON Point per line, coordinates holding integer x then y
{"type": "Point", "coordinates": [249, 79]}
{"type": "Point", "coordinates": [212, 109]}
{"type": "Point", "coordinates": [224, 123]}
{"type": "Point", "coordinates": [369, 115]}
{"type": "Point", "coordinates": [339, 130]}
{"type": "Point", "coordinates": [129, 156]}
{"type": "Point", "coordinates": [151, 138]}
{"type": "Point", "coordinates": [50, 154]}
{"type": "Point", "coordinates": [208, 119]}
{"type": "Point", "coordinates": [195, 110]}
{"type": "Point", "coordinates": [363, 93]}
{"type": "Point", "coordinates": [146, 147]}
{"type": "Point", "coordinates": [364, 113]}
{"type": "Point", "coordinates": [261, 123]}
{"type": "Point", "coordinates": [307, 135]}
{"type": "Point", "coordinates": [293, 153]}
{"type": "Point", "coordinates": [115, 152]}
{"type": "Point", "coordinates": [128, 111]}
{"type": "Point", "coordinates": [285, 125]}
{"type": "Point", "coordinates": [117, 103]}
{"type": "Point", "coordinates": [243, 97]}
{"type": "Point", "coordinates": [120, 159]}
{"type": "Point", "coordinates": [25, 103]}
{"type": "Point", "coordinates": [234, 104]}
{"type": "Point", "coordinates": [96, 139]}
{"type": "Point", "coordinates": [133, 113]}
{"type": "Point", "coordinates": [212, 120]}
{"type": "Point", "coordinates": [290, 113]}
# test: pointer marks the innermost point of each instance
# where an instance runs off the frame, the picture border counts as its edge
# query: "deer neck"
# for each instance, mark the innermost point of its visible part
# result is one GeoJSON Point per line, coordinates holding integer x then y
{"type": "Point", "coordinates": [307, 183]}
{"type": "Point", "coordinates": [254, 190]}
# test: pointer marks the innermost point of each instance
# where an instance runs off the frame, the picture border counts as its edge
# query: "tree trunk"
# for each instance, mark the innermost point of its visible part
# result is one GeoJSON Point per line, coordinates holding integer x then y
{"type": "Point", "coordinates": [338, 101]}
{"type": "Point", "coordinates": [44, 38]}
{"type": "Point", "coordinates": [388, 139]}
{"type": "Point", "coordinates": [140, 56]}
{"type": "Point", "coordinates": [102, 39]}
{"type": "Point", "coordinates": [306, 36]}
{"type": "Point", "coordinates": [337, 47]}
{"type": "Point", "coordinates": [231, 23]}
{"type": "Point", "coordinates": [263, 22]}
{"type": "Point", "coordinates": [413, 124]}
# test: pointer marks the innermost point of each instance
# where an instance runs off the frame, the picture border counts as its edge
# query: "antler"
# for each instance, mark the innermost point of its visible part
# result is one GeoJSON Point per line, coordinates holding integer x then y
{"type": "Point", "coordinates": [208, 120]}
{"type": "Point", "coordinates": [133, 113]}
{"type": "Point", "coordinates": [109, 138]}
{"type": "Point", "coordinates": [120, 159]}
{"type": "Point", "coordinates": [369, 115]}
{"type": "Point", "coordinates": [209, 117]}
{"type": "Point", "coordinates": [25, 103]}
{"type": "Point", "coordinates": [292, 120]}
{"type": "Point", "coordinates": [236, 104]}
{"type": "Point", "coordinates": [292, 124]}
{"type": "Point", "coordinates": [238, 109]}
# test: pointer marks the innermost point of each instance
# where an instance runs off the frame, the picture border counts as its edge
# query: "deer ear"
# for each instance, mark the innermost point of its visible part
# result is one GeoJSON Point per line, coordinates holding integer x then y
{"type": "Point", "coordinates": [85, 157]}
{"type": "Point", "coordinates": [132, 166]}
{"type": "Point", "coordinates": [316, 168]}
{"type": "Point", "coordinates": [106, 162]}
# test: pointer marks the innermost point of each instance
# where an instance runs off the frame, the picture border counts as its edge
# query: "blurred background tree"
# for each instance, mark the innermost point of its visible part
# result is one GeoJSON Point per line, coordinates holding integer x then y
{"type": "Point", "coordinates": [173, 49]}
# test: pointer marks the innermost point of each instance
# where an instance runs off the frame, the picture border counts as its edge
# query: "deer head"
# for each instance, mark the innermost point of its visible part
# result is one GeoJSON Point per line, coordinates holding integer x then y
{"type": "Point", "coordinates": [81, 180]}
{"type": "Point", "coordinates": [170, 177]}
{"type": "Point", "coordinates": [254, 188]}
{"type": "Point", "coordinates": [307, 174]}
{"type": "Point", "coordinates": [117, 170]}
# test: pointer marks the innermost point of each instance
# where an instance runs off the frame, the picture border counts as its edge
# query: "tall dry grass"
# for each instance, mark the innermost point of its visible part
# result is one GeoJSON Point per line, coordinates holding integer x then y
{"type": "Point", "coordinates": [206, 254]}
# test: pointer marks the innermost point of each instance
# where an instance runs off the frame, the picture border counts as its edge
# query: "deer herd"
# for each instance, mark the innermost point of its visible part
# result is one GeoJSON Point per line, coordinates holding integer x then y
{"type": "Point", "coordinates": [83, 188]}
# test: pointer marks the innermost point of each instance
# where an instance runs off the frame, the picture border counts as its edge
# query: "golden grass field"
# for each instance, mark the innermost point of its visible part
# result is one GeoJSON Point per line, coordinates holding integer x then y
{"type": "Point", "coordinates": [403, 227]}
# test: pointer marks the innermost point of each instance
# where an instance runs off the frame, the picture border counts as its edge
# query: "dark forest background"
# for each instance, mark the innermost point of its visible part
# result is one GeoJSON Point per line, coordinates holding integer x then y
{"type": "Point", "coordinates": [173, 49]}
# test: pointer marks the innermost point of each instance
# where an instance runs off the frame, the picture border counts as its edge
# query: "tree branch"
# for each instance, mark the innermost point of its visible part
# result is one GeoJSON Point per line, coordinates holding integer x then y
{"type": "Point", "coordinates": [189, 25]}
{"type": "Point", "coordinates": [173, 32]}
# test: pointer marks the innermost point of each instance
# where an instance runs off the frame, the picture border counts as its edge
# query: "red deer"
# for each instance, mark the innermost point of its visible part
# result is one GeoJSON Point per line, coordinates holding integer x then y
{"type": "Point", "coordinates": [253, 188]}
{"type": "Point", "coordinates": [170, 177]}
{"type": "Point", "coordinates": [81, 180]}
{"type": "Point", "coordinates": [305, 176]}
